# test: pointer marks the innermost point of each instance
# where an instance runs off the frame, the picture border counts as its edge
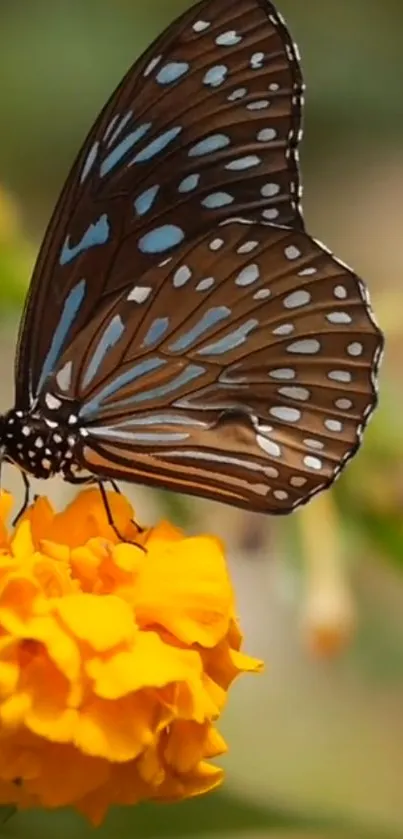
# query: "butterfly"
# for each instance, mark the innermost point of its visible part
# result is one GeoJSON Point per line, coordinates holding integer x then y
{"type": "Point", "coordinates": [182, 329]}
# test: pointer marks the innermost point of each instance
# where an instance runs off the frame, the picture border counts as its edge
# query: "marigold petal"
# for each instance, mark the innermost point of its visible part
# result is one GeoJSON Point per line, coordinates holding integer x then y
{"type": "Point", "coordinates": [128, 558]}
{"type": "Point", "coordinates": [57, 724]}
{"type": "Point", "coordinates": [115, 661]}
{"type": "Point", "coordinates": [215, 744]}
{"type": "Point", "coordinates": [9, 673]}
{"type": "Point", "coordinates": [224, 664]}
{"type": "Point", "coordinates": [54, 550]}
{"type": "Point", "coordinates": [6, 505]}
{"type": "Point", "coordinates": [245, 663]}
{"type": "Point", "coordinates": [124, 786]}
{"type": "Point", "coordinates": [150, 663]}
{"type": "Point", "coordinates": [203, 779]}
{"type": "Point", "coordinates": [118, 731]}
{"type": "Point", "coordinates": [102, 622]}
{"type": "Point", "coordinates": [39, 516]}
{"type": "Point", "coordinates": [150, 767]}
{"type": "Point", "coordinates": [22, 545]}
{"type": "Point", "coordinates": [185, 587]}
{"type": "Point", "coordinates": [86, 517]}
{"type": "Point", "coordinates": [60, 647]}
{"type": "Point", "coordinates": [66, 775]}
{"type": "Point", "coordinates": [187, 744]}
{"type": "Point", "coordinates": [14, 709]}
{"type": "Point", "coordinates": [16, 603]}
{"type": "Point", "coordinates": [163, 533]}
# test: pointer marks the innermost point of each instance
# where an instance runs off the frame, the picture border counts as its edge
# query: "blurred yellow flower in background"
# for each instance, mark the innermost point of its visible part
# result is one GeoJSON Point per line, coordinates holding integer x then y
{"type": "Point", "coordinates": [115, 658]}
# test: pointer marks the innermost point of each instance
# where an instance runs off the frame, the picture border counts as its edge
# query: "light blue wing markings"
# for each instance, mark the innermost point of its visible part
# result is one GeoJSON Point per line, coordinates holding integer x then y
{"type": "Point", "coordinates": [230, 341]}
{"type": "Point", "coordinates": [215, 200]}
{"type": "Point", "coordinates": [145, 437]}
{"type": "Point", "coordinates": [97, 234]}
{"type": "Point", "coordinates": [156, 331]}
{"type": "Point", "coordinates": [161, 239]}
{"type": "Point", "coordinates": [199, 454]}
{"type": "Point", "coordinates": [145, 201]}
{"type": "Point", "coordinates": [189, 183]}
{"type": "Point", "coordinates": [208, 319]}
{"type": "Point", "coordinates": [140, 369]}
{"type": "Point", "coordinates": [115, 156]}
{"type": "Point", "coordinates": [110, 127]}
{"type": "Point", "coordinates": [210, 144]}
{"type": "Point", "coordinates": [171, 72]}
{"type": "Point", "coordinates": [157, 145]}
{"type": "Point", "coordinates": [71, 307]}
{"type": "Point", "coordinates": [158, 419]}
{"type": "Point", "coordinates": [191, 372]}
{"type": "Point", "coordinates": [89, 162]}
{"type": "Point", "coordinates": [109, 339]}
{"type": "Point", "coordinates": [119, 127]}
{"type": "Point", "coordinates": [215, 76]}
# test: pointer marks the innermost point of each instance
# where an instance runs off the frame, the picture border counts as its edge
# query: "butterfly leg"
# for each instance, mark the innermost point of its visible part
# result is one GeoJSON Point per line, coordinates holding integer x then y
{"type": "Point", "coordinates": [117, 489]}
{"type": "Point", "coordinates": [109, 514]}
{"type": "Point", "coordinates": [25, 503]}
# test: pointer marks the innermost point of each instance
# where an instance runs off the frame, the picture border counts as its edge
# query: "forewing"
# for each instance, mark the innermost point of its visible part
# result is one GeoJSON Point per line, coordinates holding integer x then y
{"type": "Point", "coordinates": [243, 368]}
{"type": "Point", "coordinates": [198, 124]}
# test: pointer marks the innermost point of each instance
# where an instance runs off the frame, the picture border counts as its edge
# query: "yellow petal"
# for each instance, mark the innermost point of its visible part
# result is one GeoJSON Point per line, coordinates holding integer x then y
{"type": "Point", "coordinates": [215, 744]}
{"type": "Point", "coordinates": [61, 648]}
{"type": "Point", "coordinates": [184, 587]}
{"type": "Point", "coordinates": [6, 505]}
{"type": "Point", "coordinates": [85, 517]}
{"type": "Point", "coordinates": [14, 710]}
{"type": "Point", "coordinates": [150, 767]}
{"type": "Point", "coordinates": [117, 731]}
{"type": "Point", "coordinates": [9, 674]}
{"type": "Point", "coordinates": [22, 545]}
{"type": "Point", "coordinates": [150, 663]}
{"type": "Point", "coordinates": [55, 550]}
{"type": "Point", "coordinates": [186, 744]}
{"type": "Point", "coordinates": [102, 622]}
{"type": "Point", "coordinates": [203, 779]}
{"type": "Point", "coordinates": [66, 775]}
{"type": "Point", "coordinates": [40, 517]}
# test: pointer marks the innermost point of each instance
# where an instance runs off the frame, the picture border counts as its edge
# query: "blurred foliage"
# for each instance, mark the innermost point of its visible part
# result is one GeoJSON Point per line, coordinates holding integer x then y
{"type": "Point", "coordinates": [16, 254]}
{"type": "Point", "coordinates": [220, 814]}
{"type": "Point", "coordinates": [60, 61]}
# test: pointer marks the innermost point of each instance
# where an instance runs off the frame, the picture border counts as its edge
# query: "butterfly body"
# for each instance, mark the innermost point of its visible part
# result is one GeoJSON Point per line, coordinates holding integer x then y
{"type": "Point", "coordinates": [39, 446]}
{"type": "Point", "coordinates": [182, 329]}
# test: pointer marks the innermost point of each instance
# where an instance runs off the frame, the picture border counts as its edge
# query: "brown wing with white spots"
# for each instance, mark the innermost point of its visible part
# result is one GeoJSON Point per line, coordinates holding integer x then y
{"type": "Point", "coordinates": [197, 126]}
{"type": "Point", "coordinates": [243, 369]}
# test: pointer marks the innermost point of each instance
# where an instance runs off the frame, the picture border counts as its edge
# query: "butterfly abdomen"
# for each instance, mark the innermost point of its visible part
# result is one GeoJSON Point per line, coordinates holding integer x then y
{"type": "Point", "coordinates": [36, 446]}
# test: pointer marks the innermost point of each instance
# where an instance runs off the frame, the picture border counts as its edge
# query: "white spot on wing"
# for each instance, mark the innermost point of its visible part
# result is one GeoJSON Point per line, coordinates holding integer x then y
{"type": "Point", "coordinates": [52, 402]}
{"type": "Point", "coordinates": [182, 275]}
{"type": "Point", "coordinates": [201, 25]}
{"type": "Point", "coordinates": [139, 294]}
{"type": "Point", "coordinates": [297, 299]}
{"type": "Point", "coordinates": [308, 346]}
{"type": "Point", "coordinates": [228, 39]}
{"type": "Point", "coordinates": [268, 446]}
{"type": "Point", "coordinates": [63, 377]}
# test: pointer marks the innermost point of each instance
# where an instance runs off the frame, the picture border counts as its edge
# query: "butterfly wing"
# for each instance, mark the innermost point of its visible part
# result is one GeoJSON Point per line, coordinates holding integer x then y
{"type": "Point", "coordinates": [242, 369]}
{"type": "Point", "coordinates": [198, 124]}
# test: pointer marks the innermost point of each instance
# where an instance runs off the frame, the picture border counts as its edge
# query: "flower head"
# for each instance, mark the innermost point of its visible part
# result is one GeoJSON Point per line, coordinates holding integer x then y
{"type": "Point", "coordinates": [115, 658]}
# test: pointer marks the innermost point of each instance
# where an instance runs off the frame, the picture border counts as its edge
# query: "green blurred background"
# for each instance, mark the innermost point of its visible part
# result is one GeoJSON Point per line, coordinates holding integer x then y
{"type": "Point", "coordinates": [317, 742]}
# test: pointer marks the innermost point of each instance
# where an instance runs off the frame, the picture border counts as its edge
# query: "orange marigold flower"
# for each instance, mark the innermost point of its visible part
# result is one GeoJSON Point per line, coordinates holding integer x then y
{"type": "Point", "coordinates": [115, 658]}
